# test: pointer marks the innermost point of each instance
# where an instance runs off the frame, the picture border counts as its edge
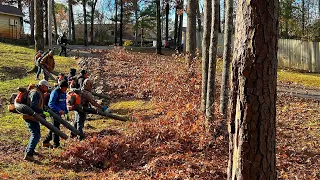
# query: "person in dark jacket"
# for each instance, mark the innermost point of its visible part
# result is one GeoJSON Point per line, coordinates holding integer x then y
{"type": "Point", "coordinates": [63, 43]}
{"type": "Point", "coordinates": [71, 74]}
{"type": "Point", "coordinates": [37, 56]}
{"type": "Point", "coordinates": [78, 82]}
{"type": "Point", "coordinates": [58, 104]}
{"type": "Point", "coordinates": [36, 101]}
{"type": "Point", "coordinates": [87, 99]}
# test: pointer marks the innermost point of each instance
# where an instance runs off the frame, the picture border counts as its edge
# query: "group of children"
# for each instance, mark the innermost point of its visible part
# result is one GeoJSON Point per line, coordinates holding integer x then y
{"type": "Point", "coordinates": [39, 98]}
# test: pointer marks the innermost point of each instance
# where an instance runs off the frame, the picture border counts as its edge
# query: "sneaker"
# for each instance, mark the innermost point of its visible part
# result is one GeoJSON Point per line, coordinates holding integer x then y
{"type": "Point", "coordinates": [28, 158]}
{"type": "Point", "coordinates": [48, 145]}
{"type": "Point", "coordinates": [36, 153]}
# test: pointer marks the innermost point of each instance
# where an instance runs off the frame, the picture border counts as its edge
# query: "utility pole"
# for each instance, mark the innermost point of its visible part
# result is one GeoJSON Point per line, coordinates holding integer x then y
{"type": "Point", "coordinates": [49, 24]}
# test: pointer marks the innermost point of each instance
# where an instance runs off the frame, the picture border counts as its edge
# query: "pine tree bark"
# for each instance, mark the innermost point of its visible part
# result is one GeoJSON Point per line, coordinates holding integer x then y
{"type": "Point", "coordinates": [253, 139]}
{"type": "Point", "coordinates": [72, 24]}
{"type": "Point", "coordinates": [158, 51]}
{"type": "Point", "coordinates": [121, 21]}
{"type": "Point", "coordinates": [85, 24]}
{"type": "Point", "coordinates": [93, 8]}
{"type": "Point", "coordinates": [211, 89]}
{"type": "Point", "coordinates": [116, 24]}
{"type": "Point", "coordinates": [176, 26]}
{"type": "Point", "coordinates": [191, 34]}
{"type": "Point", "coordinates": [31, 15]}
{"type": "Point", "coordinates": [224, 95]}
{"type": "Point", "coordinates": [39, 40]}
{"type": "Point", "coordinates": [205, 50]}
{"type": "Point", "coordinates": [46, 22]}
{"type": "Point", "coordinates": [180, 24]}
{"type": "Point", "coordinates": [303, 17]}
{"type": "Point", "coordinates": [136, 6]}
{"type": "Point", "coordinates": [69, 19]}
{"type": "Point", "coordinates": [199, 26]}
{"type": "Point", "coordinates": [167, 21]}
{"type": "Point", "coordinates": [55, 22]}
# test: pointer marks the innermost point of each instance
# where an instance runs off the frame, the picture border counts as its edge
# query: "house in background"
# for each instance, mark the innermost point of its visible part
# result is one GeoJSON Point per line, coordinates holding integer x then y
{"type": "Point", "coordinates": [10, 22]}
{"type": "Point", "coordinates": [106, 33]}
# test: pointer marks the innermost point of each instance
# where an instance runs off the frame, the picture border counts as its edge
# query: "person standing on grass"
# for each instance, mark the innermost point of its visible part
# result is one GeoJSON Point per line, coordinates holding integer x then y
{"type": "Point", "coordinates": [57, 103]}
{"type": "Point", "coordinates": [87, 99]}
{"type": "Point", "coordinates": [36, 102]}
{"type": "Point", "coordinates": [48, 63]}
{"type": "Point", "coordinates": [36, 57]}
{"type": "Point", "coordinates": [63, 43]}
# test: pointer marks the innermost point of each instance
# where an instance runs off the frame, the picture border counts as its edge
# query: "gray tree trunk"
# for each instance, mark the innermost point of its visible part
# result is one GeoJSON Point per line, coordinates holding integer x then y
{"type": "Point", "coordinates": [93, 8]}
{"type": "Point", "coordinates": [46, 22]}
{"type": "Point", "coordinates": [55, 22]}
{"type": "Point", "coordinates": [72, 24]}
{"type": "Point", "coordinates": [253, 134]}
{"type": "Point", "coordinates": [116, 24]}
{"type": "Point", "coordinates": [38, 9]}
{"type": "Point", "coordinates": [211, 89]}
{"type": "Point", "coordinates": [224, 95]}
{"type": "Point", "coordinates": [207, 17]}
{"type": "Point", "coordinates": [167, 21]}
{"type": "Point", "coordinates": [180, 24]}
{"type": "Point", "coordinates": [175, 27]}
{"type": "Point", "coordinates": [85, 25]}
{"type": "Point", "coordinates": [136, 6]}
{"type": "Point", "coordinates": [121, 21]}
{"type": "Point", "coordinates": [158, 28]}
{"type": "Point", "coordinates": [69, 19]}
{"type": "Point", "coordinates": [31, 15]}
{"type": "Point", "coordinates": [303, 17]}
{"type": "Point", "coordinates": [199, 25]}
{"type": "Point", "coordinates": [191, 35]}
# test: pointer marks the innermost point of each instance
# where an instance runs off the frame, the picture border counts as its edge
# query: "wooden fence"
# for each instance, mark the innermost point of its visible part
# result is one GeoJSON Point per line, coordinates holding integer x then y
{"type": "Point", "coordinates": [292, 53]}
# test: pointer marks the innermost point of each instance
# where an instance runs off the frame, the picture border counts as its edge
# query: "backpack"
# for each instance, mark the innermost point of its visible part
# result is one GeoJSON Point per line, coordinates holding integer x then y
{"type": "Point", "coordinates": [21, 97]}
{"type": "Point", "coordinates": [73, 99]}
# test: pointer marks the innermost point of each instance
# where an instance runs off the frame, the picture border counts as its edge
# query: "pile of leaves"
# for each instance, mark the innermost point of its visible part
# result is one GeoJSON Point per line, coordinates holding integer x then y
{"type": "Point", "coordinates": [169, 143]}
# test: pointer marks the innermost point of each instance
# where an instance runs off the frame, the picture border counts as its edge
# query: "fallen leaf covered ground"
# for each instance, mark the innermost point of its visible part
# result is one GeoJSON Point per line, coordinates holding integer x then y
{"type": "Point", "coordinates": [168, 141]}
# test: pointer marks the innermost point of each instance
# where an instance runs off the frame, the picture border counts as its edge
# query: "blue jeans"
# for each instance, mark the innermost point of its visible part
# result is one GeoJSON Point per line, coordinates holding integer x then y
{"type": "Point", "coordinates": [38, 72]}
{"type": "Point", "coordinates": [34, 129]}
{"type": "Point", "coordinates": [79, 119]}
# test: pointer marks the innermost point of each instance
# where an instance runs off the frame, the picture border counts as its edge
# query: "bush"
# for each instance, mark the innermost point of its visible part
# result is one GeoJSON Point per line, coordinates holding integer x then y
{"type": "Point", "coordinates": [128, 43]}
{"type": "Point", "coordinates": [23, 41]}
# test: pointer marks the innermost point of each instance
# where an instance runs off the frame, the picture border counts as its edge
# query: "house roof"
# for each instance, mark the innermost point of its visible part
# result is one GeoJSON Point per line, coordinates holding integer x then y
{"type": "Point", "coordinates": [5, 9]}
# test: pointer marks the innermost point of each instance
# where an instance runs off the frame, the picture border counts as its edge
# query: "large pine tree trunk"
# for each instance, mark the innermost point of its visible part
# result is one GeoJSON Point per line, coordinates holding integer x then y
{"type": "Point", "coordinates": [191, 36]}
{"type": "Point", "coordinates": [93, 8]}
{"type": "Point", "coordinates": [55, 22]}
{"type": "Point", "coordinates": [211, 89]}
{"type": "Point", "coordinates": [116, 24]}
{"type": "Point", "coordinates": [167, 21]}
{"type": "Point", "coordinates": [136, 8]}
{"type": "Point", "coordinates": [180, 24]}
{"type": "Point", "coordinates": [69, 19]}
{"type": "Point", "coordinates": [224, 95]}
{"type": "Point", "coordinates": [253, 140]}
{"type": "Point", "coordinates": [121, 21]}
{"type": "Point", "coordinates": [205, 50]}
{"type": "Point", "coordinates": [72, 24]}
{"type": "Point", "coordinates": [199, 26]}
{"type": "Point", "coordinates": [158, 51]}
{"type": "Point", "coordinates": [46, 22]}
{"type": "Point", "coordinates": [31, 15]}
{"type": "Point", "coordinates": [303, 17]}
{"type": "Point", "coordinates": [85, 34]}
{"type": "Point", "coordinates": [39, 41]}
{"type": "Point", "coordinates": [176, 26]}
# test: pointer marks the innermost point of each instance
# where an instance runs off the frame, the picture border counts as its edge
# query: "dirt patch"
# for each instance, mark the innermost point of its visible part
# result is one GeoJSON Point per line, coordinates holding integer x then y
{"type": "Point", "coordinates": [7, 73]}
